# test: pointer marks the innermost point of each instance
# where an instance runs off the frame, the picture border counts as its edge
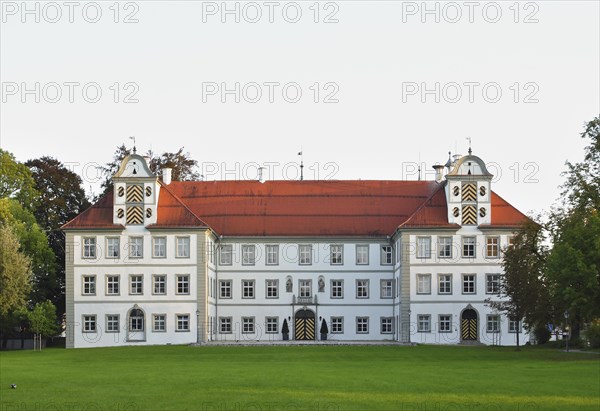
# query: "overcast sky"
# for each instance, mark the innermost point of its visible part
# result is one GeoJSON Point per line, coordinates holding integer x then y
{"type": "Point", "coordinates": [365, 89]}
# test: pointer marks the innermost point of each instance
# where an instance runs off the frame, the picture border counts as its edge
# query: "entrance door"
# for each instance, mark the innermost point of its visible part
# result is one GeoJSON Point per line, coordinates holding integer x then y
{"type": "Point", "coordinates": [468, 326]}
{"type": "Point", "coordinates": [304, 325]}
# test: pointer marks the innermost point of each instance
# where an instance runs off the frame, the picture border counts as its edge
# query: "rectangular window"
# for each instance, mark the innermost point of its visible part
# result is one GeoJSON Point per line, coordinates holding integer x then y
{"type": "Point", "coordinates": [445, 323]}
{"type": "Point", "coordinates": [362, 288]}
{"type": "Point", "coordinates": [159, 247]}
{"type": "Point", "coordinates": [183, 284]}
{"type": "Point", "coordinates": [492, 248]}
{"type": "Point", "coordinates": [89, 323]}
{"type": "Point", "coordinates": [337, 325]}
{"type": "Point", "coordinates": [468, 244]}
{"type": "Point", "coordinates": [226, 254]}
{"type": "Point", "coordinates": [112, 323]}
{"type": "Point", "coordinates": [272, 254]}
{"type": "Point", "coordinates": [445, 284]}
{"type": "Point", "coordinates": [113, 247]}
{"type": "Point", "coordinates": [136, 284]}
{"type": "Point", "coordinates": [136, 323]}
{"type": "Point", "coordinates": [89, 285]}
{"type": "Point", "coordinates": [159, 284]}
{"type": "Point", "coordinates": [183, 322]}
{"type": "Point", "coordinates": [514, 326]}
{"type": "Point", "coordinates": [247, 288]}
{"type": "Point", "coordinates": [248, 254]}
{"type": "Point", "coordinates": [272, 288]}
{"type": "Point", "coordinates": [386, 288]}
{"type": "Point", "coordinates": [386, 325]}
{"type": "Point", "coordinates": [362, 254]}
{"type": "Point", "coordinates": [136, 247]}
{"type": "Point", "coordinates": [89, 247]}
{"type": "Point", "coordinates": [247, 325]}
{"type": "Point", "coordinates": [336, 254]}
{"type": "Point", "coordinates": [225, 325]}
{"type": "Point", "coordinates": [210, 251]}
{"type": "Point", "coordinates": [492, 283]}
{"type": "Point", "coordinates": [337, 288]}
{"type": "Point", "coordinates": [424, 323]}
{"type": "Point", "coordinates": [493, 323]}
{"type": "Point", "coordinates": [468, 283]}
{"type": "Point", "coordinates": [423, 283]}
{"type": "Point", "coordinates": [386, 255]}
{"type": "Point", "coordinates": [112, 285]}
{"type": "Point", "coordinates": [445, 247]}
{"type": "Point", "coordinates": [272, 325]}
{"type": "Point", "coordinates": [423, 247]}
{"type": "Point", "coordinates": [159, 323]}
{"type": "Point", "coordinates": [362, 325]}
{"type": "Point", "coordinates": [183, 247]}
{"type": "Point", "coordinates": [511, 241]}
{"type": "Point", "coordinates": [225, 288]}
{"type": "Point", "coordinates": [305, 254]}
{"type": "Point", "coordinates": [305, 287]}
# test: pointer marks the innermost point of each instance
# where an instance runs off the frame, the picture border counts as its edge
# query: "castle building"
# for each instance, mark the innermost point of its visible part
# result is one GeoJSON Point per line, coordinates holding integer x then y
{"type": "Point", "coordinates": [157, 261]}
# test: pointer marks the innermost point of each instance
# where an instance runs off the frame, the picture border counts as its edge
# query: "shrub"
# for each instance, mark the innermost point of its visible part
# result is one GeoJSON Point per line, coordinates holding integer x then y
{"type": "Point", "coordinates": [542, 334]}
{"type": "Point", "coordinates": [592, 334]}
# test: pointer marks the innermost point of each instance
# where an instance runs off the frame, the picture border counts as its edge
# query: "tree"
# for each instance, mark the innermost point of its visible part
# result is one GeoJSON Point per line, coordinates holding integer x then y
{"type": "Point", "coordinates": [574, 261]}
{"type": "Point", "coordinates": [15, 274]}
{"type": "Point", "coordinates": [62, 198]}
{"type": "Point", "coordinates": [42, 319]}
{"type": "Point", "coordinates": [16, 181]}
{"type": "Point", "coordinates": [183, 167]}
{"type": "Point", "coordinates": [523, 291]}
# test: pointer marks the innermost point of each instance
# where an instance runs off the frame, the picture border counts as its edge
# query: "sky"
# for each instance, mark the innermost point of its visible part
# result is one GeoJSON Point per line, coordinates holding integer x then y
{"type": "Point", "coordinates": [364, 89]}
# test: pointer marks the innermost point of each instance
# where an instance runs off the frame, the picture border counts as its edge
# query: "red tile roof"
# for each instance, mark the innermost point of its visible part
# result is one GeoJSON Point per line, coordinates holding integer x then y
{"type": "Point", "coordinates": [300, 208]}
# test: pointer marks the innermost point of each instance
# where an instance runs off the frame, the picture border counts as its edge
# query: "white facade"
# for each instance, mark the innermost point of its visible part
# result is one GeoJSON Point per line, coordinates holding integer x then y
{"type": "Point", "coordinates": [137, 282]}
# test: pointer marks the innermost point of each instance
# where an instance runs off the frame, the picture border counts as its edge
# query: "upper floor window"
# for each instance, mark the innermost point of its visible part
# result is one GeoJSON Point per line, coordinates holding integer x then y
{"type": "Point", "coordinates": [386, 288]}
{"type": "Point", "coordinates": [445, 284]}
{"type": "Point", "coordinates": [445, 247]}
{"type": "Point", "coordinates": [362, 288]}
{"type": "Point", "coordinates": [468, 247]}
{"type": "Point", "coordinates": [423, 283]}
{"type": "Point", "coordinates": [336, 254]}
{"type": "Point", "coordinates": [272, 254]}
{"type": "Point", "coordinates": [159, 247]}
{"type": "Point", "coordinates": [337, 288]}
{"type": "Point", "coordinates": [159, 285]}
{"type": "Point", "coordinates": [89, 285]}
{"type": "Point", "coordinates": [183, 284]}
{"type": "Point", "coordinates": [305, 254]}
{"type": "Point", "coordinates": [226, 254]}
{"type": "Point", "coordinates": [136, 247]}
{"type": "Point", "coordinates": [492, 283]}
{"type": "Point", "coordinates": [362, 254]}
{"type": "Point", "coordinates": [468, 283]}
{"type": "Point", "coordinates": [492, 247]}
{"type": "Point", "coordinates": [89, 247]}
{"type": "Point", "coordinates": [248, 254]}
{"type": "Point", "coordinates": [225, 288]}
{"type": "Point", "coordinates": [386, 255]}
{"type": "Point", "coordinates": [305, 287]}
{"type": "Point", "coordinates": [112, 285]}
{"type": "Point", "coordinates": [113, 247]}
{"type": "Point", "coordinates": [272, 289]}
{"type": "Point", "coordinates": [247, 288]}
{"type": "Point", "coordinates": [423, 247]}
{"type": "Point", "coordinates": [183, 247]}
{"type": "Point", "coordinates": [136, 284]}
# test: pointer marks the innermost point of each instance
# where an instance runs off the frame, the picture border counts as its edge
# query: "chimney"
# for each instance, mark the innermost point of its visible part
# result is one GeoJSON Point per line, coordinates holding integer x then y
{"type": "Point", "coordinates": [438, 172]}
{"type": "Point", "coordinates": [261, 178]}
{"type": "Point", "coordinates": [166, 176]}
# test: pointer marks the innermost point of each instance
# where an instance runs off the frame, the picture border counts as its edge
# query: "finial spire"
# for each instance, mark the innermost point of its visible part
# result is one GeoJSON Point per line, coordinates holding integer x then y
{"type": "Point", "coordinates": [470, 151]}
{"type": "Point", "coordinates": [301, 154]}
{"type": "Point", "coordinates": [134, 149]}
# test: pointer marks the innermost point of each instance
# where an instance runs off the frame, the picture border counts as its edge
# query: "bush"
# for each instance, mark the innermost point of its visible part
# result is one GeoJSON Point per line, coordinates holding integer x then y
{"type": "Point", "coordinates": [592, 334]}
{"type": "Point", "coordinates": [542, 334]}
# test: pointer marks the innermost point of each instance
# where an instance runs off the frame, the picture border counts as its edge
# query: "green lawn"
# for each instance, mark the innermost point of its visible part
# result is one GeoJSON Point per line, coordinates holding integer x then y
{"type": "Point", "coordinates": [323, 378]}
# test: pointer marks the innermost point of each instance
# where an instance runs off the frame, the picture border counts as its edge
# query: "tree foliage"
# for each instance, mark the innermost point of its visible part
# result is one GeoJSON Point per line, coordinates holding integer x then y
{"type": "Point", "coordinates": [523, 290]}
{"type": "Point", "coordinates": [16, 181]}
{"type": "Point", "coordinates": [15, 274]}
{"type": "Point", "coordinates": [42, 319]}
{"type": "Point", "coordinates": [574, 262]}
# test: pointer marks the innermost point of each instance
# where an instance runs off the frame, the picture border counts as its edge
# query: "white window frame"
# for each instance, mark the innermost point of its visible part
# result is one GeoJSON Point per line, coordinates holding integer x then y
{"type": "Point", "coordinates": [113, 247]}
{"type": "Point", "coordinates": [512, 324]}
{"type": "Point", "coordinates": [131, 284]}
{"type": "Point", "coordinates": [337, 325]}
{"type": "Point", "coordinates": [386, 325]}
{"type": "Point", "coordinates": [272, 288]}
{"type": "Point", "coordinates": [386, 287]}
{"type": "Point", "coordinates": [110, 277]}
{"type": "Point", "coordinates": [362, 285]}
{"type": "Point", "coordinates": [362, 254]}
{"type": "Point", "coordinates": [423, 283]}
{"type": "Point", "coordinates": [469, 247]}
{"type": "Point", "coordinates": [305, 254]}
{"type": "Point", "coordinates": [445, 323]}
{"type": "Point", "coordinates": [271, 325]}
{"type": "Point", "coordinates": [464, 282]}
{"type": "Point", "coordinates": [447, 281]}
{"type": "Point", "coordinates": [90, 324]}
{"type": "Point", "coordinates": [424, 247]}
{"type": "Point", "coordinates": [89, 250]}
{"type": "Point", "coordinates": [492, 324]}
{"type": "Point", "coordinates": [182, 247]}
{"type": "Point", "coordinates": [225, 325]}
{"type": "Point", "coordinates": [492, 283]}
{"type": "Point", "coordinates": [159, 244]}
{"type": "Point", "coordinates": [182, 281]}
{"type": "Point", "coordinates": [226, 254]}
{"type": "Point", "coordinates": [424, 323]}
{"type": "Point", "coordinates": [91, 284]}
{"type": "Point", "coordinates": [159, 279]}
{"type": "Point", "coordinates": [248, 325]}
{"type": "Point", "coordinates": [224, 287]}
{"type": "Point", "coordinates": [136, 249]}
{"type": "Point", "coordinates": [112, 324]}
{"type": "Point", "coordinates": [305, 288]}
{"type": "Point", "coordinates": [272, 254]}
{"type": "Point", "coordinates": [337, 287]}
{"type": "Point", "coordinates": [492, 243]}
{"type": "Point", "coordinates": [248, 289]}
{"type": "Point", "coordinates": [182, 323]}
{"type": "Point", "coordinates": [445, 247]}
{"type": "Point", "coordinates": [248, 254]}
{"type": "Point", "coordinates": [362, 325]}
{"type": "Point", "coordinates": [387, 255]}
{"type": "Point", "coordinates": [159, 319]}
{"type": "Point", "coordinates": [336, 254]}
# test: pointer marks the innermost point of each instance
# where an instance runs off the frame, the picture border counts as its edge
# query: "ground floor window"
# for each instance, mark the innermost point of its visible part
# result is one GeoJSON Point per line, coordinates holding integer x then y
{"type": "Point", "coordinates": [493, 323]}
{"type": "Point", "coordinates": [247, 325]}
{"type": "Point", "coordinates": [112, 323]}
{"type": "Point", "coordinates": [159, 323]}
{"type": "Point", "coordinates": [337, 325]}
{"type": "Point", "coordinates": [424, 323]}
{"type": "Point", "coordinates": [514, 326]}
{"type": "Point", "coordinates": [89, 323]}
{"type": "Point", "coordinates": [362, 325]}
{"type": "Point", "coordinates": [272, 324]}
{"type": "Point", "coordinates": [183, 322]}
{"type": "Point", "coordinates": [386, 325]}
{"type": "Point", "coordinates": [225, 325]}
{"type": "Point", "coordinates": [445, 323]}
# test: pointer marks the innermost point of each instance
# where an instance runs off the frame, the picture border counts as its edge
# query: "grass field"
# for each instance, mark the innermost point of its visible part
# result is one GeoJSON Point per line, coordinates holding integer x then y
{"type": "Point", "coordinates": [324, 378]}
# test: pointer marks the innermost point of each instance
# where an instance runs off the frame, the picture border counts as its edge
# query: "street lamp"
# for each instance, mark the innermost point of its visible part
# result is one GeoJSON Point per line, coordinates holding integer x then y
{"type": "Point", "coordinates": [567, 327]}
{"type": "Point", "coordinates": [197, 326]}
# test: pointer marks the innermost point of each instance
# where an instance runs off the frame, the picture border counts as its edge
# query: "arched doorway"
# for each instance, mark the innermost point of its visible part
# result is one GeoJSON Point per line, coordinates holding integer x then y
{"type": "Point", "coordinates": [136, 330]}
{"type": "Point", "coordinates": [468, 324]}
{"type": "Point", "coordinates": [304, 325]}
